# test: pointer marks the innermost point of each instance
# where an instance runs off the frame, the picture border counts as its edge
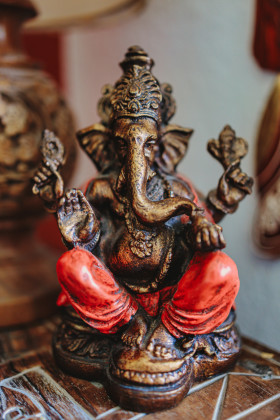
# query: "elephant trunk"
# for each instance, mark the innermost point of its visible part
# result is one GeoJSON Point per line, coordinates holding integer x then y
{"type": "Point", "coordinates": [147, 211]}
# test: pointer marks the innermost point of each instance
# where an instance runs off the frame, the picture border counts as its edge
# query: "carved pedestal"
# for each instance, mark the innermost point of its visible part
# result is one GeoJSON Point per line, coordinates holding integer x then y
{"type": "Point", "coordinates": [146, 383]}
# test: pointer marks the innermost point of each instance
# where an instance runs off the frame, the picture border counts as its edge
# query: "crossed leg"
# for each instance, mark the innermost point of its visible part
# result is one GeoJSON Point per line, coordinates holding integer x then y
{"type": "Point", "coordinates": [93, 292]}
{"type": "Point", "coordinates": [204, 296]}
{"type": "Point", "coordinates": [202, 301]}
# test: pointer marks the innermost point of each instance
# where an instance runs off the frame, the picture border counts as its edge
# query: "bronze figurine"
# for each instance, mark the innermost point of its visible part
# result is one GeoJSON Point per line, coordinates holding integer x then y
{"type": "Point", "coordinates": [148, 294]}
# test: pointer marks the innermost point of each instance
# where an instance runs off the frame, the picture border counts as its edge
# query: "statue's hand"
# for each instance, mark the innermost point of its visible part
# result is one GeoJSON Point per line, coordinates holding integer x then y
{"type": "Point", "coordinates": [232, 188]}
{"type": "Point", "coordinates": [234, 184]}
{"type": "Point", "coordinates": [240, 179]}
{"type": "Point", "coordinates": [76, 219]}
{"type": "Point", "coordinates": [207, 236]}
{"type": "Point", "coordinates": [48, 183]}
{"type": "Point", "coordinates": [45, 185]}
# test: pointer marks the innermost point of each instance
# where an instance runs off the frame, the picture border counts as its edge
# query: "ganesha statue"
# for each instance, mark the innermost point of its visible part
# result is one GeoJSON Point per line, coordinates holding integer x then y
{"type": "Point", "coordinates": [148, 295]}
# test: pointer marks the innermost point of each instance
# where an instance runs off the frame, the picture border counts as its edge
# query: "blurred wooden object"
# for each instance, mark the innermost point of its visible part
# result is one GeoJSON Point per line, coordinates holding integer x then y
{"type": "Point", "coordinates": [32, 385]}
{"type": "Point", "coordinates": [267, 52]}
{"type": "Point", "coordinates": [29, 103]}
{"type": "Point", "coordinates": [266, 45]}
{"type": "Point", "coordinates": [267, 224]}
{"type": "Point", "coordinates": [54, 15]}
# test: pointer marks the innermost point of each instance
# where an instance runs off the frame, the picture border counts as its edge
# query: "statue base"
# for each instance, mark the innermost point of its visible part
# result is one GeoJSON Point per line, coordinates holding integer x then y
{"type": "Point", "coordinates": [149, 383]}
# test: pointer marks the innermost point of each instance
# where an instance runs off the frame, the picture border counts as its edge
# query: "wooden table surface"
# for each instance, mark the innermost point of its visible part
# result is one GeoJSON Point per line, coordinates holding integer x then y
{"type": "Point", "coordinates": [33, 387]}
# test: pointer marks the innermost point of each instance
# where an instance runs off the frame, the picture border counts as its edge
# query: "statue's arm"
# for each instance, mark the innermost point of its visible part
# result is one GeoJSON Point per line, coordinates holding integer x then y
{"type": "Point", "coordinates": [44, 186]}
{"type": "Point", "coordinates": [76, 218]}
{"type": "Point", "coordinates": [47, 181]}
{"type": "Point", "coordinates": [234, 184]}
{"type": "Point", "coordinates": [203, 234]}
{"type": "Point", "coordinates": [100, 194]}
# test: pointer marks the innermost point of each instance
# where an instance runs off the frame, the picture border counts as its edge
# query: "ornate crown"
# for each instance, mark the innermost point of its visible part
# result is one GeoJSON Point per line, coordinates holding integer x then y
{"type": "Point", "coordinates": [137, 93]}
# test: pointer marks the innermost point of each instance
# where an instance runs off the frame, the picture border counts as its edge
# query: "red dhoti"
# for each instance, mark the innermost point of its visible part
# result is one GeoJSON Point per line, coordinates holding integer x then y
{"type": "Point", "coordinates": [198, 304]}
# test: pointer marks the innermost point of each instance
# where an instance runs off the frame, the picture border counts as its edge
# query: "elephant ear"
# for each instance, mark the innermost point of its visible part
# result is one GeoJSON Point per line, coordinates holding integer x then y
{"type": "Point", "coordinates": [174, 145]}
{"type": "Point", "coordinates": [97, 142]}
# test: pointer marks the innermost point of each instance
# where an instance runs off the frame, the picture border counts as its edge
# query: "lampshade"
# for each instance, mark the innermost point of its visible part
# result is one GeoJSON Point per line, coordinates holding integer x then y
{"type": "Point", "coordinates": [54, 14]}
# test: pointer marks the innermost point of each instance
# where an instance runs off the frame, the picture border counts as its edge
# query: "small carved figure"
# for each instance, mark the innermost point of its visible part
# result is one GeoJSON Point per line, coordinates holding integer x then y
{"type": "Point", "coordinates": [149, 295]}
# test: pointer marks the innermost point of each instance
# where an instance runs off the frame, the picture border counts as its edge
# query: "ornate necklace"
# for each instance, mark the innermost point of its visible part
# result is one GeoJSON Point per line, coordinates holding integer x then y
{"type": "Point", "coordinates": [141, 240]}
{"type": "Point", "coordinates": [141, 243]}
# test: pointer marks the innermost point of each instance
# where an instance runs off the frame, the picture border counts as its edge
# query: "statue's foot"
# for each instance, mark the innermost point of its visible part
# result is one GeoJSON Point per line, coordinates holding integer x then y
{"type": "Point", "coordinates": [81, 350]}
{"type": "Point", "coordinates": [215, 352]}
{"type": "Point", "coordinates": [158, 373]}
{"type": "Point", "coordinates": [133, 336]}
{"type": "Point", "coordinates": [154, 375]}
{"type": "Point", "coordinates": [162, 345]}
{"type": "Point", "coordinates": [154, 360]}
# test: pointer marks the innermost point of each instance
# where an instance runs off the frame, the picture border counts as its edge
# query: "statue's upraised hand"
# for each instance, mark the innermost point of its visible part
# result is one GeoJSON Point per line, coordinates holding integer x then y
{"type": "Point", "coordinates": [48, 183]}
{"type": "Point", "coordinates": [76, 220]}
{"type": "Point", "coordinates": [207, 236]}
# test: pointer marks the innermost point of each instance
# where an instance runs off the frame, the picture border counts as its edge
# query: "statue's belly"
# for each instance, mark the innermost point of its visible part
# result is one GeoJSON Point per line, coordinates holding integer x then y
{"type": "Point", "coordinates": [137, 267]}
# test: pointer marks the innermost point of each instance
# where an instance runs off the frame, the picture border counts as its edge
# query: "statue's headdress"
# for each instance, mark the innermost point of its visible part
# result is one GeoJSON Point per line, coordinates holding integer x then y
{"type": "Point", "coordinates": [137, 93]}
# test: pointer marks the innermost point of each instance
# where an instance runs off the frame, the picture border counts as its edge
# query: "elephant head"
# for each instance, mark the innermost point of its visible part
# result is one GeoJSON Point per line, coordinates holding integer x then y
{"type": "Point", "coordinates": [135, 148]}
{"type": "Point", "coordinates": [134, 137]}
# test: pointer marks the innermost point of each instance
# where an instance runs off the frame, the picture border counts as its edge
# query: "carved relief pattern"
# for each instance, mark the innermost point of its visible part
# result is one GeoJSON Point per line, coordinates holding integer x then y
{"type": "Point", "coordinates": [136, 92]}
{"type": "Point", "coordinates": [82, 344]}
{"type": "Point", "coordinates": [222, 343]}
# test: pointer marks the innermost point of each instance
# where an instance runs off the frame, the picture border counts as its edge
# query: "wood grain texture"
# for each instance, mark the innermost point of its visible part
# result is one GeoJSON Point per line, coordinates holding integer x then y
{"type": "Point", "coordinates": [32, 385]}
